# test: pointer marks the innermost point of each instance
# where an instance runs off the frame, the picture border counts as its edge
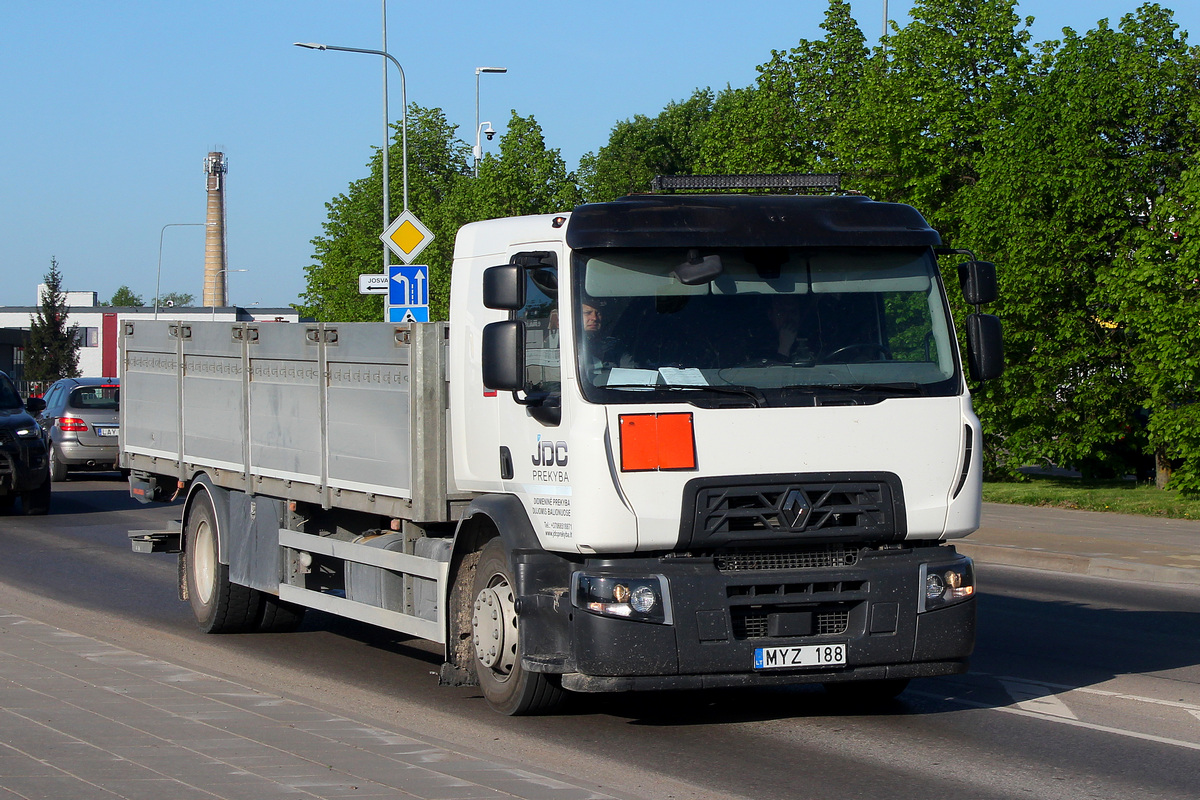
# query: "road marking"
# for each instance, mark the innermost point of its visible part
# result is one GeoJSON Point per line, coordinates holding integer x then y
{"type": "Point", "coordinates": [1045, 705]}
{"type": "Point", "coordinates": [1034, 697]}
{"type": "Point", "coordinates": [1191, 708]}
{"type": "Point", "coordinates": [1075, 723]}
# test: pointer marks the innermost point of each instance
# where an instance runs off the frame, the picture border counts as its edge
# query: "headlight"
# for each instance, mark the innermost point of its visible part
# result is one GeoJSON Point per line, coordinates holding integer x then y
{"type": "Point", "coordinates": [946, 584]}
{"type": "Point", "coordinates": [641, 599]}
{"type": "Point", "coordinates": [29, 431]}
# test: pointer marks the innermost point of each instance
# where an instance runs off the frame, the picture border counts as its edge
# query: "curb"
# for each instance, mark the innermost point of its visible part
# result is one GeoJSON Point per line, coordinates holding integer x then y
{"type": "Point", "coordinates": [1077, 565]}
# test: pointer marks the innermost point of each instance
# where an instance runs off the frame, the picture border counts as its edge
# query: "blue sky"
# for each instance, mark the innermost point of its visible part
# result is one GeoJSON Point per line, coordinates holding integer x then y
{"type": "Point", "coordinates": [108, 109]}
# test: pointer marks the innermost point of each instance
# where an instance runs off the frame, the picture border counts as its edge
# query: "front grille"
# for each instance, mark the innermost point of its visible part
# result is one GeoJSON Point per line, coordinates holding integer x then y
{"type": "Point", "coordinates": [830, 555]}
{"type": "Point", "coordinates": [755, 623]}
{"type": "Point", "coordinates": [7, 436]}
{"type": "Point", "coordinates": [775, 508]}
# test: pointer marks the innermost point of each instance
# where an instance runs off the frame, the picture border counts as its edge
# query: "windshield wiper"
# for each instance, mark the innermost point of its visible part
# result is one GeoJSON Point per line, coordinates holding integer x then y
{"type": "Point", "coordinates": [751, 392]}
{"type": "Point", "coordinates": [899, 388]}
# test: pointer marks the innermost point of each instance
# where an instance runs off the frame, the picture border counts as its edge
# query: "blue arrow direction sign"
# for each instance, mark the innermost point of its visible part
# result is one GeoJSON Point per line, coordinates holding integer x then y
{"type": "Point", "coordinates": [408, 293]}
{"type": "Point", "coordinates": [408, 285]}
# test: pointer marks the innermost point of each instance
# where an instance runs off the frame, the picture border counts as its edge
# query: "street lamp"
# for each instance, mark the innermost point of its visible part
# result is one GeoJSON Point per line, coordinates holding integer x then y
{"type": "Point", "coordinates": [222, 272]}
{"type": "Point", "coordinates": [478, 152]}
{"type": "Point", "coordinates": [387, 218]}
{"type": "Point", "coordinates": [158, 275]}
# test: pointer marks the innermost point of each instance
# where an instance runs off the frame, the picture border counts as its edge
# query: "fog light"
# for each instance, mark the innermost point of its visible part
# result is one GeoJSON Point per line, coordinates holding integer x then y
{"type": "Point", "coordinates": [643, 600]}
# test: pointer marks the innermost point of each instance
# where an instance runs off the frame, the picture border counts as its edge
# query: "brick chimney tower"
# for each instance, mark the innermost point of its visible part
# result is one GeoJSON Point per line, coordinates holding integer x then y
{"type": "Point", "coordinates": [215, 269]}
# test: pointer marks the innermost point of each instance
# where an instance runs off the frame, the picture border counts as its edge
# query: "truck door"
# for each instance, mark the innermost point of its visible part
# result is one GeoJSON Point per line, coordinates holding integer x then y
{"type": "Point", "coordinates": [533, 453]}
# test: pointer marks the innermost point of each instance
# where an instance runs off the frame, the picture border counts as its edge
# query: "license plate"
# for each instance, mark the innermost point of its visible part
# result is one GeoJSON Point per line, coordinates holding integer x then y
{"type": "Point", "coordinates": [108, 431]}
{"type": "Point", "coordinates": [813, 655]}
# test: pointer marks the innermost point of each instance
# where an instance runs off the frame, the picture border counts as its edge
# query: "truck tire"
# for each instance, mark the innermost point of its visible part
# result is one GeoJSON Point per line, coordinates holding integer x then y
{"type": "Point", "coordinates": [507, 686]}
{"type": "Point", "coordinates": [218, 605]}
{"type": "Point", "coordinates": [36, 503]}
{"type": "Point", "coordinates": [279, 616]}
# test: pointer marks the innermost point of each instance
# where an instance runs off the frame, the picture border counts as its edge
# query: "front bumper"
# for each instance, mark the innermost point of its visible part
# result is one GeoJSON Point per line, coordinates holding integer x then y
{"type": "Point", "coordinates": [720, 616]}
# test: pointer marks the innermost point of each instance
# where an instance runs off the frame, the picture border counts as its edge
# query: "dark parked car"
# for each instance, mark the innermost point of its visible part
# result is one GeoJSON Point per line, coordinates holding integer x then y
{"type": "Point", "coordinates": [24, 465]}
{"type": "Point", "coordinates": [82, 425]}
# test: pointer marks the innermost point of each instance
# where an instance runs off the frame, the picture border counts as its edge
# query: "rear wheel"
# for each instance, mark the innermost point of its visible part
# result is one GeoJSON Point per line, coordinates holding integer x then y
{"type": "Point", "coordinates": [58, 468]}
{"type": "Point", "coordinates": [279, 616]}
{"type": "Point", "coordinates": [218, 605]}
{"type": "Point", "coordinates": [507, 686]}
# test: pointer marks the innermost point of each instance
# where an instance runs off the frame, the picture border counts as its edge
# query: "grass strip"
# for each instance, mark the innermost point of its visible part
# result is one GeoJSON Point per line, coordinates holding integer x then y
{"type": "Point", "coordinates": [1121, 497]}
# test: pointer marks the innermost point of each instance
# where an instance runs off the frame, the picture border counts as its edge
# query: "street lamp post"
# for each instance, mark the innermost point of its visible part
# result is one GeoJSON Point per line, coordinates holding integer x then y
{"type": "Point", "coordinates": [387, 219]}
{"type": "Point", "coordinates": [221, 272]}
{"type": "Point", "coordinates": [478, 152]}
{"type": "Point", "coordinates": [158, 275]}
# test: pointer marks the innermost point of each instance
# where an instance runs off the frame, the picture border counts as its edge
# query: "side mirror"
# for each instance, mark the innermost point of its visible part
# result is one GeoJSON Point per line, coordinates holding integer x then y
{"type": "Point", "coordinates": [985, 347]}
{"type": "Point", "coordinates": [35, 405]}
{"type": "Point", "coordinates": [504, 287]}
{"type": "Point", "coordinates": [504, 355]}
{"type": "Point", "coordinates": [978, 281]}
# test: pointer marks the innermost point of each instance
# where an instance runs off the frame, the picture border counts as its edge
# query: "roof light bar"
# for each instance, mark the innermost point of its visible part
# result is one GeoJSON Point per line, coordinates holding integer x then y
{"type": "Point", "coordinates": [709, 183]}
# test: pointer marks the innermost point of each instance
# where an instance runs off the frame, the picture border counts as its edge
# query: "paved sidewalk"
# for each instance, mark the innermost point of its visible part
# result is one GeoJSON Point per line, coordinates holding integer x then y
{"type": "Point", "coordinates": [81, 719]}
{"type": "Point", "coordinates": [1088, 543]}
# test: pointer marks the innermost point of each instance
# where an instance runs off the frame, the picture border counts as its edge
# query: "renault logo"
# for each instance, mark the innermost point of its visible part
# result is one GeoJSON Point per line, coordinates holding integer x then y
{"type": "Point", "coordinates": [794, 509]}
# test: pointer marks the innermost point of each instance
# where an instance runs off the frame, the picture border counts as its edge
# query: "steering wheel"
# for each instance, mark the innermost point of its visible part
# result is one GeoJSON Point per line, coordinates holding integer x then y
{"type": "Point", "coordinates": [875, 346]}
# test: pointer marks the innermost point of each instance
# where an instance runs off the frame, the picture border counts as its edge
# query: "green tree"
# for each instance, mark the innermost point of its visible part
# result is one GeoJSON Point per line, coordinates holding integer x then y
{"type": "Point", "coordinates": [1066, 188]}
{"type": "Point", "coordinates": [525, 178]}
{"type": "Point", "coordinates": [53, 350]}
{"type": "Point", "coordinates": [793, 116]}
{"type": "Point", "coordinates": [124, 296]}
{"type": "Point", "coordinates": [642, 147]}
{"type": "Point", "coordinates": [176, 299]}
{"type": "Point", "coordinates": [350, 244]}
{"type": "Point", "coordinates": [928, 101]}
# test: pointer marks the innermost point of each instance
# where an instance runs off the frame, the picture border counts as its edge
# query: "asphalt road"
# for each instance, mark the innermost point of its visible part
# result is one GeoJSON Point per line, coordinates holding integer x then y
{"type": "Point", "coordinates": [1080, 688]}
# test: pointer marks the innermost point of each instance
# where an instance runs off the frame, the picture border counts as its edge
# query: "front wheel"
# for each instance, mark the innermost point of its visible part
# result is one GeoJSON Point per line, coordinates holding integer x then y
{"type": "Point", "coordinates": [218, 605]}
{"type": "Point", "coordinates": [37, 501]}
{"type": "Point", "coordinates": [507, 686]}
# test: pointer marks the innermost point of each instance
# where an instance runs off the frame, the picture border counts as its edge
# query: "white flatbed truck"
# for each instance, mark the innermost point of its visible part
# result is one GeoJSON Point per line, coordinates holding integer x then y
{"type": "Point", "coordinates": [671, 441]}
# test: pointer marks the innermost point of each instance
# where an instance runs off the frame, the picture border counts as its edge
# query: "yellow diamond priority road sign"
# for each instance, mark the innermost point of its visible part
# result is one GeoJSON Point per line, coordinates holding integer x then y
{"type": "Point", "coordinates": [407, 236]}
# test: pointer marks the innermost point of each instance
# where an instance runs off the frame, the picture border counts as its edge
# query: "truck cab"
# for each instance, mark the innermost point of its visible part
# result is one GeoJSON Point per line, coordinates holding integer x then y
{"type": "Point", "coordinates": [734, 431]}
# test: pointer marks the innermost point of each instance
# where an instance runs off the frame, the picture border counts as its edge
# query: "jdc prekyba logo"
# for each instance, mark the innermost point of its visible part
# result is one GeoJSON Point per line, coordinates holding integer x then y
{"type": "Point", "coordinates": [548, 453]}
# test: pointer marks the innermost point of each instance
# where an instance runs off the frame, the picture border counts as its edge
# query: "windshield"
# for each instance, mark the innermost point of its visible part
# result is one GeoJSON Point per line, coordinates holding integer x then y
{"type": "Point", "coordinates": [8, 393]}
{"type": "Point", "coordinates": [775, 326]}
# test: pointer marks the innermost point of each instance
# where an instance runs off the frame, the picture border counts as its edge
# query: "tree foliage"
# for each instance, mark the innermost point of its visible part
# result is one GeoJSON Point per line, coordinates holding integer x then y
{"type": "Point", "coordinates": [526, 178]}
{"type": "Point", "coordinates": [53, 350]}
{"type": "Point", "coordinates": [176, 299]}
{"type": "Point", "coordinates": [124, 296]}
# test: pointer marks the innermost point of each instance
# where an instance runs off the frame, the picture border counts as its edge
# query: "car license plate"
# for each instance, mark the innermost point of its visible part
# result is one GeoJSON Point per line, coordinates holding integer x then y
{"type": "Point", "coordinates": [813, 655]}
{"type": "Point", "coordinates": [108, 431]}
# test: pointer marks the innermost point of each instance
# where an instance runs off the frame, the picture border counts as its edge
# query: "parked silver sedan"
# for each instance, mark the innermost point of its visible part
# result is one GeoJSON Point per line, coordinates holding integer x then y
{"type": "Point", "coordinates": [82, 425]}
